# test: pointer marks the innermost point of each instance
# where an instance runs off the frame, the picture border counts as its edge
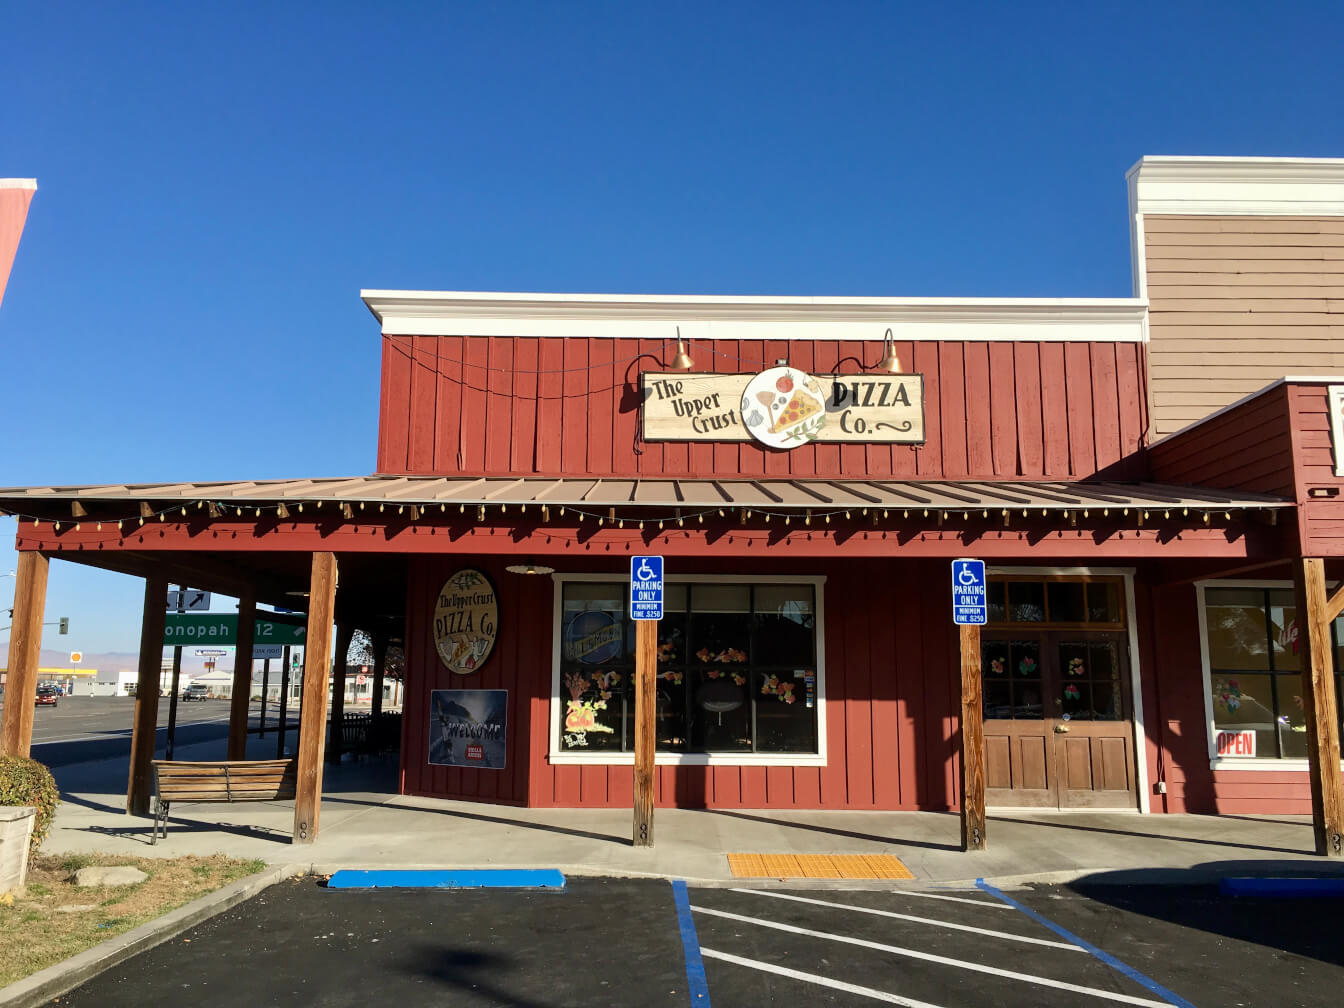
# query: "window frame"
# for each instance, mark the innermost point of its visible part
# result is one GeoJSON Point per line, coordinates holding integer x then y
{"type": "Point", "coordinates": [1092, 577]}
{"type": "Point", "coordinates": [1239, 763]}
{"type": "Point", "coordinates": [560, 757]}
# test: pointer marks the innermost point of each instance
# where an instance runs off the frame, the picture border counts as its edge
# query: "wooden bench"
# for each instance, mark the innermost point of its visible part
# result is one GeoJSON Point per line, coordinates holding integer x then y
{"type": "Point", "coordinates": [220, 781]}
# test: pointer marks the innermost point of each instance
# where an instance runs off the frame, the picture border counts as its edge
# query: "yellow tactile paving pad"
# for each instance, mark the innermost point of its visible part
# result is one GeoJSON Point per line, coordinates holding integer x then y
{"type": "Point", "coordinates": [818, 866]}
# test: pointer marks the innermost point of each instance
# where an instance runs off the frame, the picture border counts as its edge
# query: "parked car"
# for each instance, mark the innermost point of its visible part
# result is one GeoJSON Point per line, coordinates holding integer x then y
{"type": "Point", "coordinates": [196, 691]}
{"type": "Point", "coordinates": [47, 694]}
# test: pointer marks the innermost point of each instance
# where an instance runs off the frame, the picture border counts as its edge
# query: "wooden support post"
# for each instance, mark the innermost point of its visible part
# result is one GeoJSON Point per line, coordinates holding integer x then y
{"type": "Point", "coordinates": [972, 744]}
{"type": "Point", "coordinates": [241, 702]}
{"type": "Point", "coordinates": [344, 632]}
{"type": "Point", "coordinates": [25, 650]}
{"type": "Point", "coordinates": [146, 719]}
{"type": "Point", "coordinates": [646, 699]}
{"type": "Point", "coordinates": [1319, 706]}
{"type": "Point", "coordinates": [313, 710]}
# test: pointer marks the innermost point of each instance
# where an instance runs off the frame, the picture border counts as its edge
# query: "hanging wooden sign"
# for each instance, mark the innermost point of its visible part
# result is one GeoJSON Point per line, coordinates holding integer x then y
{"type": "Point", "coordinates": [466, 621]}
{"type": "Point", "coordinates": [783, 407]}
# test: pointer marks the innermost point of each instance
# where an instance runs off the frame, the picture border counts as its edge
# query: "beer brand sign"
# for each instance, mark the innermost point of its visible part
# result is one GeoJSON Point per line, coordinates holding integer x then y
{"type": "Point", "coordinates": [784, 407]}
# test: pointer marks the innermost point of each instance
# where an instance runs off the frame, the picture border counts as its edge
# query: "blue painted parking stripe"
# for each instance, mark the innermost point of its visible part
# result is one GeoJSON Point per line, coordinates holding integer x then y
{"type": "Point", "coordinates": [1168, 996]}
{"type": "Point", "coordinates": [690, 944]}
{"type": "Point", "coordinates": [527, 878]}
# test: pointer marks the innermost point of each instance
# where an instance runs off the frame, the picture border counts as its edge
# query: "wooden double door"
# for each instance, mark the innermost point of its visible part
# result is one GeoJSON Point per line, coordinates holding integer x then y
{"type": "Point", "coordinates": [1058, 725]}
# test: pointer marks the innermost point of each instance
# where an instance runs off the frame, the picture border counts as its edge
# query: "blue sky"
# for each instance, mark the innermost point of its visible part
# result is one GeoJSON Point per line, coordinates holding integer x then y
{"type": "Point", "coordinates": [218, 181]}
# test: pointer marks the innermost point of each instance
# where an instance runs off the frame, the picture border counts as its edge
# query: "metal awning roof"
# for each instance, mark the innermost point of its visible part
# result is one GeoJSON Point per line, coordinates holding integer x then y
{"type": "Point", "coordinates": [657, 493]}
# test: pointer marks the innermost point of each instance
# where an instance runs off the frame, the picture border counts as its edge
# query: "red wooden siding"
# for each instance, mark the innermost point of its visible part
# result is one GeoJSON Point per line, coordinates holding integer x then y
{"type": "Point", "coordinates": [1322, 518]}
{"type": "Point", "coordinates": [509, 667]}
{"type": "Point", "coordinates": [1247, 448]}
{"type": "Point", "coordinates": [480, 405]}
{"type": "Point", "coordinates": [1278, 443]}
{"type": "Point", "coordinates": [890, 702]}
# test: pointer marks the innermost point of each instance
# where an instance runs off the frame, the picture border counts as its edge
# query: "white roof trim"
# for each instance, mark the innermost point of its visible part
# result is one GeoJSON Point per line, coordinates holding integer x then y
{"type": "Point", "coordinates": [18, 183]}
{"type": "Point", "coordinates": [1237, 186]}
{"type": "Point", "coordinates": [1286, 379]}
{"type": "Point", "coordinates": [643, 316]}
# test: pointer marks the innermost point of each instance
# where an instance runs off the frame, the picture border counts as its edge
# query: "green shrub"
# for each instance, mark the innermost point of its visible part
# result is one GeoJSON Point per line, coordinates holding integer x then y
{"type": "Point", "coordinates": [25, 781]}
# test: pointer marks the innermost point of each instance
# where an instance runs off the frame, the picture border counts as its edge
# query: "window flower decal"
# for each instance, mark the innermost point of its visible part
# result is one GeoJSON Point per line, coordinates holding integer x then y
{"type": "Point", "coordinates": [1027, 666]}
{"type": "Point", "coordinates": [667, 651]}
{"type": "Point", "coordinates": [1071, 691]}
{"type": "Point", "coordinates": [738, 678]}
{"type": "Point", "coordinates": [722, 657]}
{"type": "Point", "coordinates": [996, 665]}
{"type": "Point", "coordinates": [772, 686]}
{"type": "Point", "coordinates": [1227, 694]}
{"type": "Point", "coordinates": [580, 714]}
{"type": "Point", "coordinates": [673, 676]}
{"type": "Point", "coordinates": [1076, 666]}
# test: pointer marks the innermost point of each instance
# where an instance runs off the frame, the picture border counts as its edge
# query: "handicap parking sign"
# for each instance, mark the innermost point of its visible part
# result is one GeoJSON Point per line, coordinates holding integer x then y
{"type": "Point", "coordinates": [646, 587]}
{"type": "Point", "coordinates": [969, 595]}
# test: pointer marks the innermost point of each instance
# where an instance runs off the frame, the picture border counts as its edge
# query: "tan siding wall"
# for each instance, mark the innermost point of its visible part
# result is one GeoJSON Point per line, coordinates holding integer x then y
{"type": "Point", "coordinates": [1236, 303]}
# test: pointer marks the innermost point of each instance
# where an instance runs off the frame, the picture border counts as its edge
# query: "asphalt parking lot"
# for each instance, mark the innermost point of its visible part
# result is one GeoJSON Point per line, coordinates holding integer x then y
{"type": "Point", "coordinates": [622, 942]}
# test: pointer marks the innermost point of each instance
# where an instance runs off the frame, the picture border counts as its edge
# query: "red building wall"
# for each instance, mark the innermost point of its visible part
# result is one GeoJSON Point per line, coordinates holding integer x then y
{"type": "Point", "coordinates": [1248, 447]}
{"type": "Point", "coordinates": [482, 405]}
{"type": "Point", "coordinates": [891, 700]}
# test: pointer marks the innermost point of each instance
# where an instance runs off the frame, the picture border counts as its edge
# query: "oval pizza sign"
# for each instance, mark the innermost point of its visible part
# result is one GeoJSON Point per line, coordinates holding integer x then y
{"type": "Point", "coordinates": [784, 407]}
{"type": "Point", "coordinates": [466, 621]}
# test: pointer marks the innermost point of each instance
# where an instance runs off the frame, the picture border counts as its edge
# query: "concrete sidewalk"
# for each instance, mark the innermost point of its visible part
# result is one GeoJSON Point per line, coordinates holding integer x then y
{"type": "Point", "coordinates": [365, 825]}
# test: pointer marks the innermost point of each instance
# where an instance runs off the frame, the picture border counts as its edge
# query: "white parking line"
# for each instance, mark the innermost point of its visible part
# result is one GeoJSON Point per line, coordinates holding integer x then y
{"type": "Point", "coordinates": [920, 894]}
{"type": "Point", "coordinates": [811, 978]}
{"type": "Point", "coordinates": [942, 960]}
{"type": "Point", "coordinates": [1066, 946]}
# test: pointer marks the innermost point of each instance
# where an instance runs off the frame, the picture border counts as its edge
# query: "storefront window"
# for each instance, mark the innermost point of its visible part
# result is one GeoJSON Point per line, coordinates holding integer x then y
{"type": "Point", "coordinates": [1255, 681]}
{"type": "Point", "coordinates": [736, 669]}
{"type": "Point", "coordinates": [1065, 600]}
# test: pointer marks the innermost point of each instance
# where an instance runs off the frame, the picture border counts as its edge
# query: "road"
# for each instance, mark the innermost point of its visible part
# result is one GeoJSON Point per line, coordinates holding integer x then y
{"type": "Point", "coordinates": [86, 728]}
{"type": "Point", "coordinates": [644, 942]}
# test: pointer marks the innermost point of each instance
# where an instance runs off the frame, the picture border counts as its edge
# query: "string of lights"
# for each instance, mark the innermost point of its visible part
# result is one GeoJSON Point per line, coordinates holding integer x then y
{"type": "Point", "coordinates": [643, 520]}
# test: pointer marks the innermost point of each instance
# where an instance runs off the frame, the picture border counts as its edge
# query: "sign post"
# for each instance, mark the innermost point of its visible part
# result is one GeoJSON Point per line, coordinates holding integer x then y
{"type": "Point", "coordinates": [646, 609]}
{"type": "Point", "coordinates": [970, 611]}
{"type": "Point", "coordinates": [177, 601]}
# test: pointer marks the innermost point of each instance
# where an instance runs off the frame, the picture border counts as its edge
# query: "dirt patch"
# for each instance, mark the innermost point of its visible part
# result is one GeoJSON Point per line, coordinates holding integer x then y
{"type": "Point", "coordinates": [36, 932]}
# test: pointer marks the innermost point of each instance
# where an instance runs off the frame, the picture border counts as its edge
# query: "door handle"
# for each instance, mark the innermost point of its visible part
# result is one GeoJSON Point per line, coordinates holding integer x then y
{"type": "Point", "coordinates": [1061, 729]}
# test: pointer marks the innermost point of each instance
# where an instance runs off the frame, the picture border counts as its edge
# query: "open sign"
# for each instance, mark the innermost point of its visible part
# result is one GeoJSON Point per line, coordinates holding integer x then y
{"type": "Point", "coordinates": [1234, 743]}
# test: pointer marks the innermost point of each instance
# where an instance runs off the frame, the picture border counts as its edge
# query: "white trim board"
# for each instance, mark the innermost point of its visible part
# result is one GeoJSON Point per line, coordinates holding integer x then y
{"type": "Point", "coordinates": [560, 757]}
{"type": "Point", "coordinates": [429, 313]}
{"type": "Point", "coordinates": [18, 183]}
{"type": "Point", "coordinates": [1235, 186]}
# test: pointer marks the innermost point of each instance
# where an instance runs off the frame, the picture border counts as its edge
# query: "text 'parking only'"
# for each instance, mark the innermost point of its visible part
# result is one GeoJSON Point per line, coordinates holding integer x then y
{"type": "Point", "coordinates": [646, 587]}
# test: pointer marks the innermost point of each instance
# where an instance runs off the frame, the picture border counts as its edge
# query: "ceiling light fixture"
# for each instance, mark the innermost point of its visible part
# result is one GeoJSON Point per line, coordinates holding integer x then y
{"type": "Point", "coordinates": [529, 568]}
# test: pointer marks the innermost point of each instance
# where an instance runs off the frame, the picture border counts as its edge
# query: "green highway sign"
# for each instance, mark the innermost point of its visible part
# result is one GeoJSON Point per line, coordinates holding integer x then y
{"type": "Point", "coordinates": [270, 631]}
{"type": "Point", "coordinates": [222, 628]}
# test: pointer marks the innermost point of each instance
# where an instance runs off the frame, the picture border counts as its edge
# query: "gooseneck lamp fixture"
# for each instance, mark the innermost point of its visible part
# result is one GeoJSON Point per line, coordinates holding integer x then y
{"type": "Point", "coordinates": [889, 362]}
{"type": "Point", "coordinates": [682, 361]}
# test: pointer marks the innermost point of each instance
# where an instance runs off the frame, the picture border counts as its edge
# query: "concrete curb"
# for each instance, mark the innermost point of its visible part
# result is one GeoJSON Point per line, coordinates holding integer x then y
{"type": "Point", "coordinates": [56, 980]}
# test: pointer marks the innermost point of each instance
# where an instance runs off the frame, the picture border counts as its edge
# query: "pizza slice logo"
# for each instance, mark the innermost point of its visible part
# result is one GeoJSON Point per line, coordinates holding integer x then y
{"type": "Point", "coordinates": [784, 407]}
